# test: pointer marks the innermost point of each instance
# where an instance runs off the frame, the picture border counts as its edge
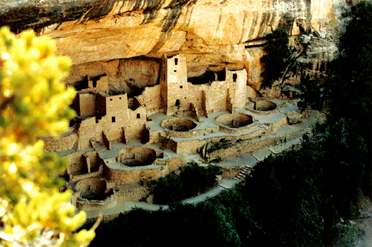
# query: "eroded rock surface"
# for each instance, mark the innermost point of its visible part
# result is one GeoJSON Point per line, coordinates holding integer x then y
{"type": "Point", "coordinates": [213, 34]}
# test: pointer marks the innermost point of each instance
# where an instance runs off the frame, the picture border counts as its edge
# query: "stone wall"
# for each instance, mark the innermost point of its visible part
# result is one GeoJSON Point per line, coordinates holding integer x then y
{"type": "Point", "coordinates": [134, 176]}
{"type": "Point", "coordinates": [136, 125]}
{"type": "Point", "coordinates": [116, 111]}
{"type": "Point", "coordinates": [73, 178]}
{"type": "Point", "coordinates": [100, 105]}
{"type": "Point", "coordinates": [93, 160]}
{"type": "Point", "coordinates": [90, 205]}
{"type": "Point", "coordinates": [175, 163]}
{"type": "Point", "coordinates": [68, 141]}
{"type": "Point", "coordinates": [76, 163]}
{"type": "Point", "coordinates": [87, 103]}
{"type": "Point", "coordinates": [133, 195]}
{"type": "Point", "coordinates": [86, 132]}
{"type": "Point", "coordinates": [252, 145]}
{"type": "Point", "coordinates": [97, 185]}
{"type": "Point", "coordinates": [150, 98]}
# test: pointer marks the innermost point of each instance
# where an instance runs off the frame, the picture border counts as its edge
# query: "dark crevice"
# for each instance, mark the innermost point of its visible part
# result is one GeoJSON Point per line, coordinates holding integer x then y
{"type": "Point", "coordinates": [253, 46]}
{"type": "Point", "coordinates": [208, 77]}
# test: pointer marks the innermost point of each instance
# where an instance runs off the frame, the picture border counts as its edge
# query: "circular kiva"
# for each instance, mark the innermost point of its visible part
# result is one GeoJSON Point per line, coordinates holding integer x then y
{"type": "Point", "coordinates": [235, 120]}
{"type": "Point", "coordinates": [136, 156]}
{"type": "Point", "coordinates": [92, 189]}
{"type": "Point", "coordinates": [178, 124]}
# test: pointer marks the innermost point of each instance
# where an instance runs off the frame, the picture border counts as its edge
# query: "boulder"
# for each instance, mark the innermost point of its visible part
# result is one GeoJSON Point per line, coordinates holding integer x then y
{"type": "Point", "coordinates": [294, 117]}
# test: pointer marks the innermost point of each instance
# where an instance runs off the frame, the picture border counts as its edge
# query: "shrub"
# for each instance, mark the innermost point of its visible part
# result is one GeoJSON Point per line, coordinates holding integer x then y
{"type": "Point", "coordinates": [221, 144]}
{"type": "Point", "coordinates": [192, 180]}
{"type": "Point", "coordinates": [312, 93]}
{"type": "Point", "coordinates": [277, 58]}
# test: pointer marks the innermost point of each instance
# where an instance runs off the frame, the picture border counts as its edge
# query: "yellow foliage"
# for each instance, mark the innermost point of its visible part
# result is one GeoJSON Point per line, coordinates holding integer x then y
{"type": "Point", "coordinates": [34, 103]}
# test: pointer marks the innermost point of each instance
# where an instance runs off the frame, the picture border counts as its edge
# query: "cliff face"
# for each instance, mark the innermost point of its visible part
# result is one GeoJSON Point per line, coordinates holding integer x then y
{"type": "Point", "coordinates": [212, 33]}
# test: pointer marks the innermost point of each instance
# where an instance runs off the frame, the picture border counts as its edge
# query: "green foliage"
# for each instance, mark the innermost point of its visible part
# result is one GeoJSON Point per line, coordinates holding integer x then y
{"type": "Point", "coordinates": [343, 235]}
{"type": "Point", "coordinates": [192, 180]}
{"type": "Point", "coordinates": [221, 144]}
{"type": "Point", "coordinates": [277, 58]}
{"type": "Point", "coordinates": [312, 93]}
{"type": "Point", "coordinates": [351, 85]}
{"type": "Point", "coordinates": [214, 223]}
{"type": "Point", "coordinates": [320, 181]}
{"type": "Point", "coordinates": [167, 189]}
{"type": "Point", "coordinates": [56, 12]}
{"type": "Point", "coordinates": [350, 88]}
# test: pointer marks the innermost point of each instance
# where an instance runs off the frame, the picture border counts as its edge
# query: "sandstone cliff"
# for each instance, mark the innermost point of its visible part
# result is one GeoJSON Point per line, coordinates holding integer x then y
{"type": "Point", "coordinates": [126, 38]}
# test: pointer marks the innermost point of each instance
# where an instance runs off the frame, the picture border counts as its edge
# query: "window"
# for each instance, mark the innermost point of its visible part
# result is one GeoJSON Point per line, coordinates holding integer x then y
{"type": "Point", "coordinates": [119, 97]}
{"type": "Point", "coordinates": [110, 99]}
{"type": "Point", "coordinates": [176, 61]}
{"type": "Point", "coordinates": [113, 119]}
{"type": "Point", "coordinates": [181, 86]}
{"type": "Point", "coordinates": [235, 76]}
{"type": "Point", "coordinates": [138, 115]}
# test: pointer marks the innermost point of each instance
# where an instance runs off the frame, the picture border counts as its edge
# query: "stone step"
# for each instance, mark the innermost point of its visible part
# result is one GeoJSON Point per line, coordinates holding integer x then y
{"type": "Point", "coordinates": [224, 186]}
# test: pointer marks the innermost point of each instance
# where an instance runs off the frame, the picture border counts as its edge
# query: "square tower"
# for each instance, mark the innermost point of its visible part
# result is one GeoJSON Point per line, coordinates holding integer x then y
{"type": "Point", "coordinates": [237, 81]}
{"type": "Point", "coordinates": [173, 81]}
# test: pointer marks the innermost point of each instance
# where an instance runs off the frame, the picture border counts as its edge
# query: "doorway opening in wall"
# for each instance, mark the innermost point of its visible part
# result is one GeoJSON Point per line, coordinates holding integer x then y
{"type": "Point", "coordinates": [113, 119]}
{"type": "Point", "coordinates": [235, 76]}
{"type": "Point", "coordinates": [178, 102]}
{"type": "Point", "coordinates": [176, 61]}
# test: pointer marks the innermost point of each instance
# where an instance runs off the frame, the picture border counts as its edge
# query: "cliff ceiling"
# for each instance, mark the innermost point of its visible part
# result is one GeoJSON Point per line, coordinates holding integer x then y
{"type": "Point", "coordinates": [107, 36]}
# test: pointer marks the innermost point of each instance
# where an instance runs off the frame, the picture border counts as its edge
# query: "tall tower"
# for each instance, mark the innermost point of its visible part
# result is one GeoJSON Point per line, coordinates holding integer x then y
{"type": "Point", "coordinates": [173, 81]}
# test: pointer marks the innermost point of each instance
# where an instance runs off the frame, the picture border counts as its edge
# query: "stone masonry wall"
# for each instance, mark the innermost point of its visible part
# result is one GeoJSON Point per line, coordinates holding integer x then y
{"type": "Point", "coordinates": [134, 176]}
{"type": "Point", "coordinates": [76, 164]}
{"type": "Point", "coordinates": [87, 104]}
{"type": "Point", "coordinates": [151, 99]}
{"type": "Point", "coordinates": [87, 132]}
{"type": "Point", "coordinates": [58, 144]}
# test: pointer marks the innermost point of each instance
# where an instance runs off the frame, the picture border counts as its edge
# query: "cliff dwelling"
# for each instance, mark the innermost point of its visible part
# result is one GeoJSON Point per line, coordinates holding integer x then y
{"type": "Point", "coordinates": [117, 144]}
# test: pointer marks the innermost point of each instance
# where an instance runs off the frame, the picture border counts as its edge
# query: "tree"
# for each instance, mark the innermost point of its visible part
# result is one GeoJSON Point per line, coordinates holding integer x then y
{"type": "Point", "coordinates": [312, 93]}
{"type": "Point", "coordinates": [277, 57]}
{"type": "Point", "coordinates": [33, 103]}
{"type": "Point", "coordinates": [351, 84]}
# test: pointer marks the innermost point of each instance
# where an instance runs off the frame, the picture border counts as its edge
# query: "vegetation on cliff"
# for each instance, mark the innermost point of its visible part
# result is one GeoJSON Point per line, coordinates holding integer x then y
{"type": "Point", "coordinates": [34, 102]}
{"type": "Point", "coordinates": [277, 56]}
